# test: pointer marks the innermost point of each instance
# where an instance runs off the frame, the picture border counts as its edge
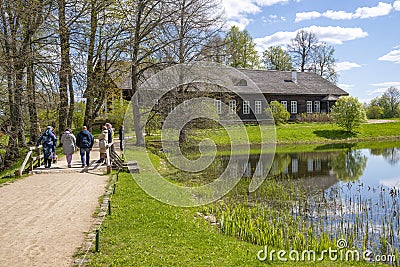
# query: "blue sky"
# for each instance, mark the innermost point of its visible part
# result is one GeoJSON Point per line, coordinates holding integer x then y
{"type": "Point", "coordinates": [365, 34]}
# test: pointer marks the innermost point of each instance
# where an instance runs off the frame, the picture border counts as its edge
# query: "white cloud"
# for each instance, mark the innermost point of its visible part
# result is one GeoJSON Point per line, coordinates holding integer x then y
{"type": "Point", "coordinates": [337, 35]}
{"type": "Point", "coordinates": [396, 5]}
{"type": "Point", "coordinates": [382, 9]}
{"type": "Point", "coordinates": [382, 87]}
{"type": "Point", "coordinates": [330, 34]}
{"type": "Point", "coordinates": [338, 15]}
{"type": "Point", "coordinates": [387, 84]}
{"type": "Point", "coordinates": [237, 12]}
{"type": "Point", "coordinates": [393, 56]}
{"type": "Point", "coordinates": [347, 87]}
{"type": "Point", "coordinates": [345, 65]}
{"type": "Point", "coordinates": [307, 16]}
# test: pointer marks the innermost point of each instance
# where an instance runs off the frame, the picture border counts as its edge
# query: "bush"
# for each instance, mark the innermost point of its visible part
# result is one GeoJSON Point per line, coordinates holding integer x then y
{"type": "Point", "coordinates": [314, 117]}
{"type": "Point", "coordinates": [279, 112]}
{"type": "Point", "coordinates": [374, 112]}
{"type": "Point", "coordinates": [348, 113]}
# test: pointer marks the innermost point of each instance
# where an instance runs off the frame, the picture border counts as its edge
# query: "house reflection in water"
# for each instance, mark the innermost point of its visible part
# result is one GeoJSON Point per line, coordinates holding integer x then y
{"type": "Point", "coordinates": [312, 169]}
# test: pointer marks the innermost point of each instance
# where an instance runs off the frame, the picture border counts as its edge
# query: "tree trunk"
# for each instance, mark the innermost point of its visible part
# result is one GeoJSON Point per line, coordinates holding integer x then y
{"type": "Point", "coordinates": [71, 93]}
{"type": "Point", "coordinates": [63, 74]}
{"type": "Point", "coordinates": [134, 76]}
{"type": "Point", "coordinates": [19, 90]}
{"type": "Point", "coordinates": [31, 93]}
{"type": "Point", "coordinates": [89, 93]}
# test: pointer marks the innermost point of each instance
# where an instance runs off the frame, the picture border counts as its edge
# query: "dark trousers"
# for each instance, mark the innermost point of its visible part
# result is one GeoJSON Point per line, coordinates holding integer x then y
{"type": "Point", "coordinates": [85, 156]}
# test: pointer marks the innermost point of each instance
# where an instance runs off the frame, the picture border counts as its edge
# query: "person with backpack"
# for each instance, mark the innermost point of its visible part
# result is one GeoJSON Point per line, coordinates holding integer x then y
{"type": "Point", "coordinates": [85, 140]}
{"type": "Point", "coordinates": [68, 142]}
{"type": "Point", "coordinates": [48, 141]}
{"type": "Point", "coordinates": [103, 145]}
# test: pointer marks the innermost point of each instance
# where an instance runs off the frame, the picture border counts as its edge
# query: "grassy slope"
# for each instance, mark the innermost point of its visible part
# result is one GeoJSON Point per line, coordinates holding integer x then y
{"type": "Point", "coordinates": [310, 133]}
{"type": "Point", "coordinates": [145, 232]}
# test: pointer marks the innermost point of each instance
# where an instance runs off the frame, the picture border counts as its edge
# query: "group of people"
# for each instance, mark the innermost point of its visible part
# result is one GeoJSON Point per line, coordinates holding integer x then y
{"type": "Point", "coordinates": [84, 141]}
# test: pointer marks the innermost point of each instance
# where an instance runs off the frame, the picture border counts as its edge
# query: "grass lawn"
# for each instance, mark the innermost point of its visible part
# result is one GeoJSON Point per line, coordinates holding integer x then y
{"type": "Point", "coordinates": [145, 232]}
{"type": "Point", "coordinates": [307, 133]}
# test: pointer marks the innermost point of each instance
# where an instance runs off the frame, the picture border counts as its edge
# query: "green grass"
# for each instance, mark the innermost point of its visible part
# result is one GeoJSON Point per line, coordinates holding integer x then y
{"type": "Point", "coordinates": [145, 232]}
{"type": "Point", "coordinates": [306, 133]}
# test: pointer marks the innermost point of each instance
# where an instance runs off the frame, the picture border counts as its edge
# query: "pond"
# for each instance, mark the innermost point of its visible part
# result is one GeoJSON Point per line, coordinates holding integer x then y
{"type": "Point", "coordinates": [329, 193]}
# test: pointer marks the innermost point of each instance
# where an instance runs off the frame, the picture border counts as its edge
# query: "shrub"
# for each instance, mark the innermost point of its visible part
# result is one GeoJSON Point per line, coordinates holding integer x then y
{"type": "Point", "coordinates": [279, 112]}
{"type": "Point", "coordinates": [348, 113]}
{"type": "Point", "coordinates": [314, 117]}
{"type": "Point", "coordinates": [374, 112]}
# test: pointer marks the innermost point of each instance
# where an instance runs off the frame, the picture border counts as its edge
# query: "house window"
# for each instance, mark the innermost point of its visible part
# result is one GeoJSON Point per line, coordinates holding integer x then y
{"type": "Point", "coordinates": [310, 165]}
{"type": "Point", "coordinates": [232, 106]}
{"type": "Point", "coordinates": [317, 106]}
{"type": "Point", "coordinates": [309, 106]}
{"type": "Point", "coordinates": [257, 107]}
{"type": "Point", "coordinates": [284, 103]}
{"type": "Point", "coordinates": [293, 107]}
{"type": "Point", "coordinates": [246, 107]}
{"type": "Point", "coordinates": [218, 105]}
{"type": "Point", "coordinates": [295, 165]}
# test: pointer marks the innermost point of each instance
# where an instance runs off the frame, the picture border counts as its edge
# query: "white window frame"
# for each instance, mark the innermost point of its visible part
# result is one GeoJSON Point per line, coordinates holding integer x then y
{"type": "Point", "coordinates": [257, 107]}
{"type": "Point", "coordinates": [293, 107]}
{"type": "Point", "coordinates": [317, 106]}
{"type": "Point", "coordinates": [295, 165]}
{"type": "Point", "coordinates": [309, 107]}
{"type": "Point", "coordinates": [232, 106]}
{"type": "Point", "coordinates": [284, 103]}
{"type": "Point", "coordinates": [310, 165]}
{"type": "Point", "coordinates": [218, 105]}
{"type": "Point", "coordinates": [246, 107]}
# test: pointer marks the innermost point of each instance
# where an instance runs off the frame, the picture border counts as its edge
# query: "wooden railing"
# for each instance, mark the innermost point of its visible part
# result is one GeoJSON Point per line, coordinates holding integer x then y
{"type": "Point", "coordinates": [31, 161]}
{"type": "Point", "coordinates": [113, 159]}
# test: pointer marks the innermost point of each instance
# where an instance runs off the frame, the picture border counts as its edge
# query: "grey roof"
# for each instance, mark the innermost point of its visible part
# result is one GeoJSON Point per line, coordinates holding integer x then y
{"type": "Point", "coordinates": [269, 81]}
{"type": "Point", "coordinates": [280, 82]}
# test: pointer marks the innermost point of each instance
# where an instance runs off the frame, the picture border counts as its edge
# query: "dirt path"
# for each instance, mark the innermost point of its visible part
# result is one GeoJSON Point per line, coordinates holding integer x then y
{"type": "Point", "coordinates": [43, 217]}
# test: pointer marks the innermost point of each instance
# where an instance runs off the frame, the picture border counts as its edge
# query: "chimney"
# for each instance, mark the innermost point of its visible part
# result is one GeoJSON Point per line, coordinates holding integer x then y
{"type": "Point", "coordinates": [294, 76]}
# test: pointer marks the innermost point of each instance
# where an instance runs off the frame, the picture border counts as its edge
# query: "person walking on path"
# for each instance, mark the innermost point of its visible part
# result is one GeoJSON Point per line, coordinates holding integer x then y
{"type": "Point", "coordinates": [110, 131]}
{"type": "Point", "coordinates": [84, 141]}
{"type": "Point", "coordinates": [68, 142]}
{"type": "Point", "coordinates": [103, 144]}
{"type": "Point", "coordinates": [121, 138]}
{"type": "Point", "coordinates": [48, 141]}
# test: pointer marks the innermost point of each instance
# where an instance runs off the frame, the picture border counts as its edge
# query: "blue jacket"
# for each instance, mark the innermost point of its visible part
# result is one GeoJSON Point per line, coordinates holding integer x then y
{"type": "Point", "coordinates": [84, 139]}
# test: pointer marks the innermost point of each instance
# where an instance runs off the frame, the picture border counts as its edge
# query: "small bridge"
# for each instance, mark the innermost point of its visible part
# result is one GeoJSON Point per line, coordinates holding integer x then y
{"type": "Point", "coordinates": [34, 162]}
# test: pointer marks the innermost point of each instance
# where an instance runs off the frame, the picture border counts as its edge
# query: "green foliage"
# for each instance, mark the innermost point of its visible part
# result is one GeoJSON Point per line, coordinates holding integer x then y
{"type": "Point", "coordinates": [348, 113]}
{"type": "Point", "coordinates": [275, 58]}
{"type": "Point", "coordinates": [79, 114]}
{"type": "Point", "coordinates": [117, 112]}
{"type": "Point", "coordinates": [279, 112]}
{"type": "Point", "coordinates": [349, 165]}
{"type": "Point", "coordinates": [314, 117]}
{"type": "Point", "coordinates": [389, 103]}
{"type": "Point", "coordinates": [374, 112]}
{"type": "Point", "coordinates": [241, 49]}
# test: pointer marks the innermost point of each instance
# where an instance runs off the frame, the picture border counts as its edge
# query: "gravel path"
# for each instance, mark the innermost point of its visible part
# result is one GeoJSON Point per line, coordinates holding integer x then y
{"type": "Point", "coordinates": [43, 217]}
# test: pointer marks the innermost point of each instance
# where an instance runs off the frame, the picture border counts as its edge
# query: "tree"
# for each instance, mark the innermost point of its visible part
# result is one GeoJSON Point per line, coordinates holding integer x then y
{"type": "Point", "coordinates": [279, 112]}
{"type": "Point", "coordinates": [275, 58]}
{"type": "Point", "coordinates": [323, 62]}
{"type": "Point", "coordinates": [374, 112]}
{"type": "Point", "coordinates": [302, 48]}
{"type": "Point", "coordinates": [240, 49]}
{"type": "Point", "coordinates": [392, 98]}
{"type": "Point", "coordinates": [349, 165]}
{"type": "Point", "coordinates": [348, 113]}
